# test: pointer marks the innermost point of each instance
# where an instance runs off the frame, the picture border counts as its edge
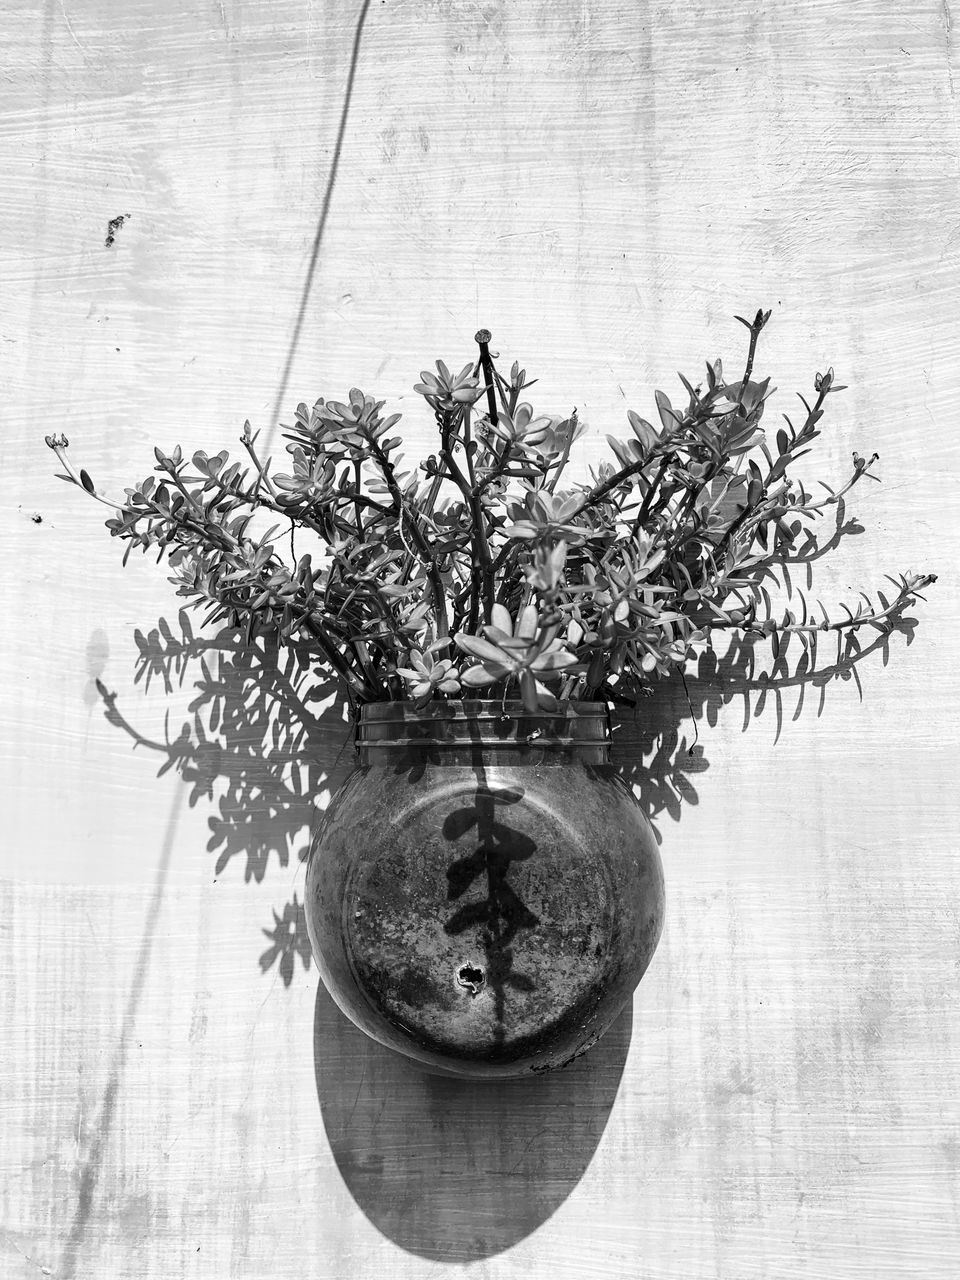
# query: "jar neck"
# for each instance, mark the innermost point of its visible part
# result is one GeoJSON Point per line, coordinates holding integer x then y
{"type": "Point", "coordinates": [475, 731]}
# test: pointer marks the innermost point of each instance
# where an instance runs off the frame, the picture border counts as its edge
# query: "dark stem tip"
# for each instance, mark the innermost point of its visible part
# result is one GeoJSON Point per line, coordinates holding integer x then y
{"type": "Point", "coordinates": [482, 336]}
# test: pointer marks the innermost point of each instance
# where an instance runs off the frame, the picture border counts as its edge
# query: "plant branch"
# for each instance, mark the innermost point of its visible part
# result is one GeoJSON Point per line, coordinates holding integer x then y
{"type": "Point", "coordinates": [482, 338]}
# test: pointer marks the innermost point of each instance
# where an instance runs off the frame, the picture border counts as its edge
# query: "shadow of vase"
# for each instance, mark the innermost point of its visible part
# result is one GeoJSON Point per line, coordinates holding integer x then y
{"type": "Point", "coordinates": [455, 1170]}
{"type": "Point", "coordinates": [448, 1170]}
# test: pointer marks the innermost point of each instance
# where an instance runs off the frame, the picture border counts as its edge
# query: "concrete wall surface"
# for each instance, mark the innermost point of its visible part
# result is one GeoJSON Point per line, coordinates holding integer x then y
{"type": "Point", "coordinates": [603, 184]}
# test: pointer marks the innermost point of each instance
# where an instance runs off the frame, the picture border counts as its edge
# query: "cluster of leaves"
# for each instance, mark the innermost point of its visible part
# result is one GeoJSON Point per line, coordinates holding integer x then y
{"type": "Point", "coordinates": [581, 591]}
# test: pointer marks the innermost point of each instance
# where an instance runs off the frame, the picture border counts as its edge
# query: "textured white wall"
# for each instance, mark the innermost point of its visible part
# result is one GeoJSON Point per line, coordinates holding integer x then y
{"type": "Point", "coordinates": [603, 184]}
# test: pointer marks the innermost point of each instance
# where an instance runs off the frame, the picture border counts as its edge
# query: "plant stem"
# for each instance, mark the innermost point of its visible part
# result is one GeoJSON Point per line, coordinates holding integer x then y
{"type": "Point", "coordinates": [652, 489]}
{"type": "Point", "coordinates": [482, 564]}
{"type": "Point", "coordinates": [334, 659]}
{"type": "Point", "coordinates": [602, 490]}
{"type": "Point", "coordinates": [755, 331]}
{"type": "Point", "coordinates": [429, 562]}
{"type": "Point", "coordinates": [304, 517]}
{"type": "Point", "coordinates": [356, 499]}
{"type": "Point", "coordinates": [482, 338]}
{"type": "Point", "coordinates": [428, 506]}
{"type": "Point", "coordinates": [114, 506]}
{"type": "Point", "coordinates": [465, 420]}
{"type": "Point", "coordinates": [502, 459]}
{"type": "Point", "coordinates": [904, 597]}
{"type": "Point", "coordinates": [261, 470]}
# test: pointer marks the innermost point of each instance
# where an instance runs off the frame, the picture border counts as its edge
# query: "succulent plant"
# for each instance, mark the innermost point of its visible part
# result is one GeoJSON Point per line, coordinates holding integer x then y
{"type": "Point", "coordinates": [521, 652]}
{"type": "Point", "coordinates": [555, 591]}
{"type": "Point", "coordinates": [429, 675]}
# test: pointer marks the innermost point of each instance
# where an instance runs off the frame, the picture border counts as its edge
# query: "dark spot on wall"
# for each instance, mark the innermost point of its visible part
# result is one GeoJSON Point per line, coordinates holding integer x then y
{"type": "Point", "coordinates": [37, 518]}
{"type": "Point", "coordinates": [113, 226]}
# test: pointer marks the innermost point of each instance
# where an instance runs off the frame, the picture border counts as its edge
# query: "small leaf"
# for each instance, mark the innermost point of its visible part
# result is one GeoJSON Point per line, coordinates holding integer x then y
{"type": "Point", "coordinates": [476, 676]}
{"type": "Point", "coordinates": [479, 648]}
{"type": "Point", "coordinates": [527, 622]}
{"type": "Point", "coordinates": [668, 415]}
{"type": "Point", "coordinates": [500, 618]}
{"type": "Point", "coordinates": [86, 481]}
{"type": "Point", "coordinates": [528, 691]}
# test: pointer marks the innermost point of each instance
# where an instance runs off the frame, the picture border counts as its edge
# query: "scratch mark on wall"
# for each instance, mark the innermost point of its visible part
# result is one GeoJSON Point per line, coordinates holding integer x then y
{"type": "Point", "coordinates": [45, 1271]}
{"type": "Point", "coordinates": [948, 32]}
{"type": "Point", "coordinates": [389, 145]}
{"type": "Point", "coordinates": [91, 1169]}
{"type": "Point", "coordinates": [69, 26]}
{"type": "Point", "coordinates": [496, 32]}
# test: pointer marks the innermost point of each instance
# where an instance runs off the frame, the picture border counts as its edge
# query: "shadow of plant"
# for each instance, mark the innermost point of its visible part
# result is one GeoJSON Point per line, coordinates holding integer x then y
{"type": "Point", "coordinates": [659, 757]}
{"type": "Point", "coordinates": [501, 913]}
{"type": "Point", "coordinates": [650, 745]}
{"type": "Point", "coordinates": [267, 735]}
{"type": "Point", "coordinates": [270, 733]}
{"type": "Point", "coordinates": [445, 1170]}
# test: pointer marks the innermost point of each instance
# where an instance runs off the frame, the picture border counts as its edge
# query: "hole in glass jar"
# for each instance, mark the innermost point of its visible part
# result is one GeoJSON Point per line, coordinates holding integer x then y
{"type": "Point", "coordinates": [470, 977]}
